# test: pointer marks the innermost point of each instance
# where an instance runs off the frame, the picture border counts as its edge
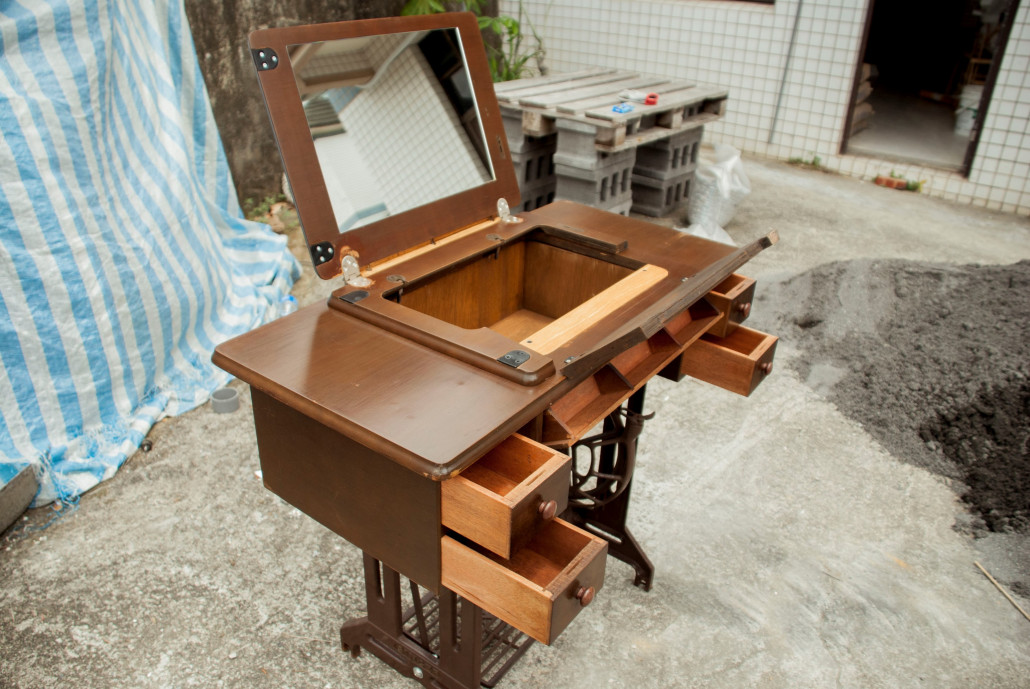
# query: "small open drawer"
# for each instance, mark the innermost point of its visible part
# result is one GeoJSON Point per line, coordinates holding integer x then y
{"type": "Point", "coordinates": [541, 588]}
{"type": "Point", "coordinates": [737, 362]}
{"type": "Point", "coordinates": [499, 501]}
{"type": "Point", "coordinates": [732, 299]}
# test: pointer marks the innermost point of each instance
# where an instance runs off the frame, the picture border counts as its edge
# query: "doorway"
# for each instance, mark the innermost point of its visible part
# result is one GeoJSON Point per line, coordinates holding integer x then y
{"type": "Point", "coordinates": [924, 82]}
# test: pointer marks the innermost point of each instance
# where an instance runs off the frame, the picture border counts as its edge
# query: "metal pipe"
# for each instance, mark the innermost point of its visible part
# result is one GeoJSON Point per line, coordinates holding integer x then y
{"type": "Point", "coordinates": [786, 68]}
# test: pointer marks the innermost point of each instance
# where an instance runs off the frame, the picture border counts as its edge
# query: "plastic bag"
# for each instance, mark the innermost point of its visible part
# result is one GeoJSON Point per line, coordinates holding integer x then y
{"type": "Point", "coordinates": [709, 230]}
{"type": "Point", "coordinates": [718, 188]}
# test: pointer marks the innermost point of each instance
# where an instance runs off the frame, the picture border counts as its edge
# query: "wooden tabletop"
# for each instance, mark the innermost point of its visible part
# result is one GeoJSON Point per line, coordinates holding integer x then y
{"type": "Point", "coordinates": [426, 410]}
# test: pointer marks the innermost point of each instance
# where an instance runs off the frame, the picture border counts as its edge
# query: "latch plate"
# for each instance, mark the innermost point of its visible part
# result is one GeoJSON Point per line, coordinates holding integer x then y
{"type": "Point", "coordinates": [514, 358]}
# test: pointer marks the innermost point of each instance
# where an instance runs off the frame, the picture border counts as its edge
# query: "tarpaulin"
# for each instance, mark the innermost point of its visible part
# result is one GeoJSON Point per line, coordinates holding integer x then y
{"type": "Point", "coordinates": [124, 258]}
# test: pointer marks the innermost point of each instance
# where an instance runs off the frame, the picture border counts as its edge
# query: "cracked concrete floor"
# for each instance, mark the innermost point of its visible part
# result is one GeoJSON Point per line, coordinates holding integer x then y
{"type": "Point", "coordinates": [791, 549]}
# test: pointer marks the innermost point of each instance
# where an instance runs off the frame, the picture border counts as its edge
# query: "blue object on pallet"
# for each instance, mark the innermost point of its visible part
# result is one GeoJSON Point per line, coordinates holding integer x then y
{"type": "Point", "coordinates": [623, 108]}
{"type": "Point", "coordinates": [124, 258]}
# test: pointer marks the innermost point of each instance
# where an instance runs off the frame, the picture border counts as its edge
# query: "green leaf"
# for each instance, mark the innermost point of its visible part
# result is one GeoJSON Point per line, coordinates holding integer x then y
{"type": "Point", "coordinates": [413, 7]}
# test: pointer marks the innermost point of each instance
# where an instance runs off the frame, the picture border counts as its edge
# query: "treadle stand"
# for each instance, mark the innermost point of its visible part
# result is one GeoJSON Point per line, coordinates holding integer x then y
{"type": "Point", "coordinates": [426, 641]}
{"type": "Point", "coordinates": [599, 498]}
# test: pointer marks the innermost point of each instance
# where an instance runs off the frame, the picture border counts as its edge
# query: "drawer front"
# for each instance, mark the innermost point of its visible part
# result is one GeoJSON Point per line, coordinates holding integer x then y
{"type": "Point", "coordinates": [502, 499]}
{"type": "Point", "coordinates": [732, 299]}
{"type": "Point", "coordinates": [738, 362]}
{"type": "Point", "coordinates": [540, 589]}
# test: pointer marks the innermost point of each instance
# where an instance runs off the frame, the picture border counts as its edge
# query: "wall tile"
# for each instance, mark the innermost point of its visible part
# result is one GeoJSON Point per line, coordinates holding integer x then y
{"type": "Point", "coordinates": [746, 45]}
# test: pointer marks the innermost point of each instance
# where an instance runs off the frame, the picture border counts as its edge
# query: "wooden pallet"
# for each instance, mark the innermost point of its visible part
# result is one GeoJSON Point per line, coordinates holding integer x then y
{"type": "Point", "coordinates": [588, 96]}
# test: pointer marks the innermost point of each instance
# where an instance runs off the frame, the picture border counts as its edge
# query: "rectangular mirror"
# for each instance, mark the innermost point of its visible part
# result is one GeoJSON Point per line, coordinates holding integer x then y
{"type": "Point", "coordinates": [389, 132]}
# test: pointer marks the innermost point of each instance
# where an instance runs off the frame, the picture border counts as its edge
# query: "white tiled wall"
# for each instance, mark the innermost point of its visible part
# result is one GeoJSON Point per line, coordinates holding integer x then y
{"type": "Point", "coordinates": [743, 46]}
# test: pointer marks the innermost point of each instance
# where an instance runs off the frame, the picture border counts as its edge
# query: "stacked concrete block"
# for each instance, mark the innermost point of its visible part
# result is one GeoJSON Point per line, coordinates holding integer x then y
{"type": "Point", "coordinates": [589, 176]}
{"type": "Point", "coordinates": [671, 157]}
{"type": "Point", "coordinates": [533, 159]}
{"type": "Point", "coordinates": [534, 165]}
{"type": "Point", "coordinates": [576, 147]}
{"type": "Point", "coordinates": [664, 172]}
{"type": "Point", "coordinates": [658, 197]}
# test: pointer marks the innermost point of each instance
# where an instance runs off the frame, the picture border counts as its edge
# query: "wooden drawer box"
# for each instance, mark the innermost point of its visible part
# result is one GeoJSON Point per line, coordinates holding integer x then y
{"type": "Point", "coordinates": [499, 501]}
{"type": "Point", "coordinates": [732, 299]}
{"type": "Point", "coordinates": [737, 362]}
{"type": "Point", "coordinates": [541, 588]}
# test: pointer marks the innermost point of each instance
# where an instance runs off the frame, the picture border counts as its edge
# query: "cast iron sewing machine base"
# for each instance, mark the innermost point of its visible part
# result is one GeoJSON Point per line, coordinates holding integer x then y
{"type": "Point", "coordinates": [599, 499]}
{"type": "Point", "coordinates": [427, 641]}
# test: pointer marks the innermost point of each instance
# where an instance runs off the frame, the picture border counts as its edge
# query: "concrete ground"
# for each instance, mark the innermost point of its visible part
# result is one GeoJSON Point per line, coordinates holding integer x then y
{"type": "Point", "coordinates": [791, 549]}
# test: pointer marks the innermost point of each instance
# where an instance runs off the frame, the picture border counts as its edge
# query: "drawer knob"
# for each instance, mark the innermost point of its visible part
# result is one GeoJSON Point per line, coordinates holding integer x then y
{"type": "Point", "coordinates": [765, 367]}
{"type": "Point", "coordinates": [744, 309]}
{"type": "Point", "coordinates": [584, 595]}
{"type": "Point", "coordinates": [548, 510]}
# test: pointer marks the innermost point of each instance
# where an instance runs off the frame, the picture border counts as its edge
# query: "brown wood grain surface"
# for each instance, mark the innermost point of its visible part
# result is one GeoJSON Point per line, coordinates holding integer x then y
{"type": "Point", "coordinates": [402, 231]}
{"type": "Point", "coordinates": [535, 590]}
{"type": "Point", "coordinates": [565, 328]}
{"type": "Point", "coordinates": [372, 501]}
{"type": "Point", "coordinates": [425, 410]}
{"type": "Point", "coordinates": [732, 299]}
{"type": "Point", "coordinates": [495, 501]}
{"type": "Point", "coordinates": [429, 411]}
{"type": "Point", "coordinates": [734, 362]}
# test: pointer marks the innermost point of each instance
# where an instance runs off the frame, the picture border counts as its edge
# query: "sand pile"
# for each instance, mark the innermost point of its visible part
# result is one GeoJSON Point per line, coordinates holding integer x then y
{"type": "Point", "coordinates": [933, 360]}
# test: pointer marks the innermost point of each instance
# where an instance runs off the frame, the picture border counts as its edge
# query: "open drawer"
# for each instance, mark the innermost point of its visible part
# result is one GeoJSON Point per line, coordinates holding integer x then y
{"type": "Point", "coordinates": [732, 299]}
{"type": "Point", "coordinates": [499, 501]}
{"type": "Point", "coordinates": [541, 588]}
{"type": "Point", "coordinates": [737, 362]}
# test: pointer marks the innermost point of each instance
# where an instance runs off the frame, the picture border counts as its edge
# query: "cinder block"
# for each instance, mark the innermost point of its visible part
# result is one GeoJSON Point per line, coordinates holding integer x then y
{"type": "Point", "coordinates": [606, 187]}
{"type": "Point", "coordinates": [658, 197]}
{"type": "Point", "coordinates": [621, 208]}
{"type": "Point", "coordinates": [576, 145]}
{"type": "Point", "coordinates": [512, 121]}
{"type": "Point", "coordinates": [669, 158]}
{"type": "Point", "coordinates": [535, 166]}
{"type": "Point", "coordinates": [518, 141]}
{"type": "Point", "coordinates": [536, 196]}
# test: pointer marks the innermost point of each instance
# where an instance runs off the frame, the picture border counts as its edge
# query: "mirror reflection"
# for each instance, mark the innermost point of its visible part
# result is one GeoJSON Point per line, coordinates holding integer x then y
{"type": "Point", "coordinates": [393, 119]}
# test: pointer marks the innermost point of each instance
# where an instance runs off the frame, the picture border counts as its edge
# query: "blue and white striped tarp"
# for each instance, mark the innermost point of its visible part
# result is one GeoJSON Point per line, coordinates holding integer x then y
{"type": "Point", "coordinates": [124, 258]}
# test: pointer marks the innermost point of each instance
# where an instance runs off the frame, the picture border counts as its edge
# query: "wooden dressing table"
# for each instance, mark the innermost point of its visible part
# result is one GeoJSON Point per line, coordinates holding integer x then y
{"type": "Point", "coordinates": [427, 411]}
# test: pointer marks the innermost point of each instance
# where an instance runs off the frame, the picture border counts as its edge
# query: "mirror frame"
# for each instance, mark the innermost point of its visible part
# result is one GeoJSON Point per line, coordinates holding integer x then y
{"type": "Point", "coordinates": [409, 229]}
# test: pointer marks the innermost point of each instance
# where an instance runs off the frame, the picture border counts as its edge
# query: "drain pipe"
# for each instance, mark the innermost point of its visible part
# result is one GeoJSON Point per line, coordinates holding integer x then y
{"type": "Point", "coordinates": [786, 68]}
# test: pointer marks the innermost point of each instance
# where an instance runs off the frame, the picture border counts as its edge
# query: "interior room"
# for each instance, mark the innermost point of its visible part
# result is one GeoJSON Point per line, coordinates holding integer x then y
{"type": "Point", "coordinates": [923, 79]}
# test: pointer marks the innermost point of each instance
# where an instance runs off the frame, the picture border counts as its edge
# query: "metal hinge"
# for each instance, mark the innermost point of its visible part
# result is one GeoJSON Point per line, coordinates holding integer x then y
{"type": "Point", "coordinates": [265, 59]}
{"type": "Point", "coordinates": [504, 212]}
{"type": "Point", "coordinates": [352, 272]}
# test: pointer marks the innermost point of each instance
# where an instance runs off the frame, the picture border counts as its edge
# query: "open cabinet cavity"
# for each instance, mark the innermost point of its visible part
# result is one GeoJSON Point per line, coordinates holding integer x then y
{"type": "Point", "coordinates": [531, 291]}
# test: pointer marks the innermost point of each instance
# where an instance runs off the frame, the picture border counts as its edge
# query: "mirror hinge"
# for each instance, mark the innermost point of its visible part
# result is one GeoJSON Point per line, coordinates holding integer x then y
{"type": "Point", "coordinates": [352, 272]}
{"type": "Point", "coordinates": [265, 59]}
{"type": "Point", "coordinates": [504, 212]}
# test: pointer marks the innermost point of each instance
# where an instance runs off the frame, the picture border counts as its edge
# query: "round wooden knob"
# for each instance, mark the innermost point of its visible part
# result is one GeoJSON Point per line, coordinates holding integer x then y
{"type": "Point", "coordinates": [744, 309]}
{"type": "Point", "coordinates": [584, 595]}
{"type": "Point", "coordinates": [548, 510]}
{"type": "Point", "coordinates": [765, 367]}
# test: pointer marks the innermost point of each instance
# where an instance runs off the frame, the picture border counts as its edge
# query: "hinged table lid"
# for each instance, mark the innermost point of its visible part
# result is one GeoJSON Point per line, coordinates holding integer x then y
{"type": "Point", "coordinates": [389, 132]}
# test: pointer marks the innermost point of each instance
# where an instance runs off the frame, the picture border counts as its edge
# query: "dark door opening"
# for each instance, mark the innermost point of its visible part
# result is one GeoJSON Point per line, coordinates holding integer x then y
{"type": "Point", "coordinates": [924, 82]}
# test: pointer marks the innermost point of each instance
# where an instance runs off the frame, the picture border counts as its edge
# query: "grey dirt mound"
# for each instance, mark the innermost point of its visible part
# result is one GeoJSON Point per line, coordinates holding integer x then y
{"type": "Point", "coordinates": [934, 361]}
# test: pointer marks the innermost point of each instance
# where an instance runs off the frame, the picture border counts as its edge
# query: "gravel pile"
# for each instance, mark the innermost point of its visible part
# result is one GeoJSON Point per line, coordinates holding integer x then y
{"type": "Point", "coordinates": [934, 361]}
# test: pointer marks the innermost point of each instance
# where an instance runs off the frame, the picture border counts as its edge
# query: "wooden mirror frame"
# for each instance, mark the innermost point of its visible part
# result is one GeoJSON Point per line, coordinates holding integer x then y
{"type": "Point", "coordinates": [398, 233]}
